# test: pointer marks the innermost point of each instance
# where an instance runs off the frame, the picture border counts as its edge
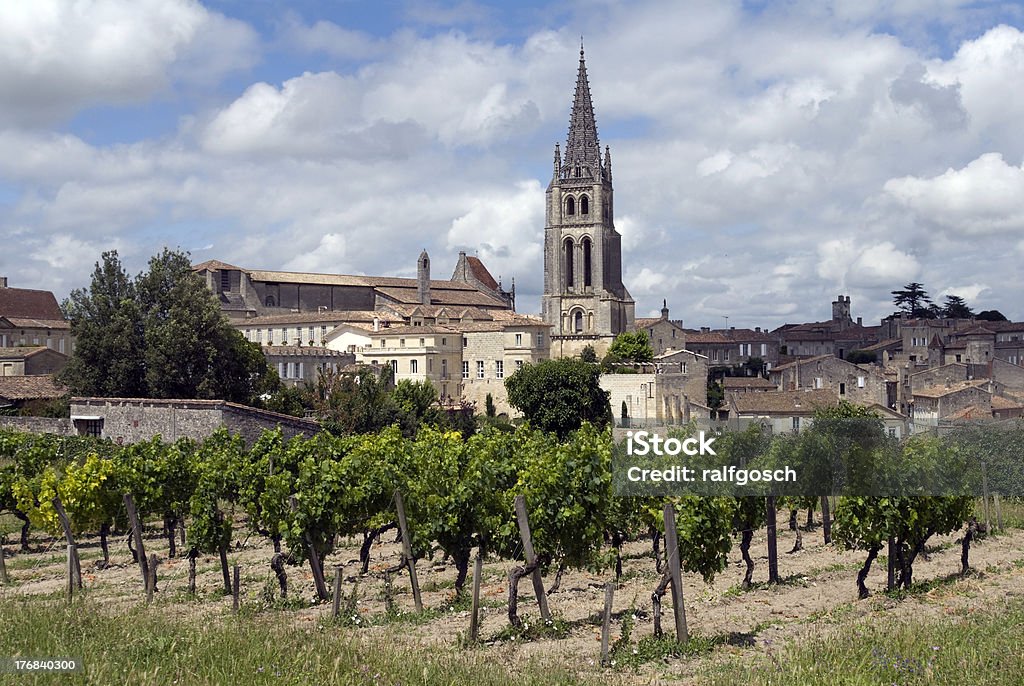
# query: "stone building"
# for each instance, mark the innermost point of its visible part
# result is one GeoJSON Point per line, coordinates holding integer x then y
{"type": "Point", "coordinates": [26, 391]}
{"type": "Point", "coordinates": [584, 300]}
{"type": "Point", "coordinates": [299, 365]}
{"type": "Point", "coordinates": [32, 318]}
{"type": "Point", "coordinates": [837, 336]}
{"type": "Point", "coordinates": [31, 361]}
{"type": "Point", "coordinates": [664, 333]}
{"type": "Point", "coordinates": [933, 404]}
{"type": "Point", "coordinates": [859, 384]}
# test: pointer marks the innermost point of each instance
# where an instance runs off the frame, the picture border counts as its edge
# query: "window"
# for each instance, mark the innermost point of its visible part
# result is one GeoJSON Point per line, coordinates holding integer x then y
{"type": "Point", "coordinates": [570, 205]}
{"type": "Point", "coordinates": [91, 427]}
{"type": "Point", "coordinates": [499, 369]}
{"type": "Point", "coordinates": [682, 367]}
{"type": "Point", "coordinates": [323, 333]}
{"type": "Point", "coordinates": [444, 369]}
{"type": "Point", "coordinates": [414, 366]}
{"type": "Point", "coordinates": [842, 388]}
{"type": "Point", "coordinates": [430, 364]}
{"type": "Point", "coordinates": [423, 343]}
{"type": "Point", "coordinates": [382, 341]}
{"type": "Point", "coordinates": [394, 366]}
{"type": "Point", "coordinates": [401, 342]}
{"type": "Point", "coordinates": [479, 369]}
{"type": "Point", "coordinates": [311, 335]}
{"type": "Point", "coordinates": [225, 280]}
{"type": "Point", "coordinates": [764, 349]}
{"type": "Point", "coordinates": [584, 205]}
{"type": "Point", "coordinates": [587, 278]}
{"type": "Point", "coordinates": [444, 341]}
{"type": "Point", "coordinates": [519, 340]}
{"type": "Point", "coordinates": [958, 358]}
{"type": "Point", "coordinates": [540, 339]}
{"type": "Point", "coordinates": [270, 301]}
{"type": "Point", "coordinates": [796, 425]}
{"type": "Point", "coordinates": [270, 337]}
{"type": "Point", "coordinates": [860, 382]}
{"type": "Point", "coordinates": [280, 369]}
{"type": "Point", "coordinates": [259, 335]}
{"type": "Point", "coordinates": [60, 345]}
{"type": "Point", "coordinates": [817, 382]}
{"type": "Point", "coordinates": [465, 341]}
{"type": "Point", "coordinates": [570, 274]}
{"type": "Point", "coordinates": [465, 370]}
{"type": "Point", "coordinates": [284, 336]}
{"type": "Point", "coordinates": [248, 334]}
{"type": "Point", "coordinates": [726, 359]}
{"type": "Point", "coordinates": [714, 355]}
{"type": "Point", "coordinates": [291, 370]}
{"type": "Point", "coordinates": [577, 325]}
{"type": "Point", "coordinates": [302, 371]}
{"type": "Point", "coordinates": [519, 365]}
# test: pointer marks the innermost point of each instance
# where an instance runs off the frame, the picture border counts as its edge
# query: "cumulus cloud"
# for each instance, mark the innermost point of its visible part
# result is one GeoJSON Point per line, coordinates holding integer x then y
{"type": "Point", "coordinates": [57, 56]}
{"type": "Point", "coordinates": [984, 198]}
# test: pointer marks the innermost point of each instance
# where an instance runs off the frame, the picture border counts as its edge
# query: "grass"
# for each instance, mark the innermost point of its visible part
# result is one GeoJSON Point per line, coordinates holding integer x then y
{"type": "Point", "coordinates": [985, 647]}
{"type": "Point", "coordinates": [146, 647]}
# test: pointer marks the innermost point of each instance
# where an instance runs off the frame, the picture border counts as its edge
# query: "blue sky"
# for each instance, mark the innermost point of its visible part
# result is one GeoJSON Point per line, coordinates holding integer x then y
{"type": "Point", "coordinates": [768, 155]}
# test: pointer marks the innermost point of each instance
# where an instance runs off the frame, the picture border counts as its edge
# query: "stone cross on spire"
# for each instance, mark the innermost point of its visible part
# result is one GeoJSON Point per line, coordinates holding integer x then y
{"type": "Point", "coordinates": [582, 149]}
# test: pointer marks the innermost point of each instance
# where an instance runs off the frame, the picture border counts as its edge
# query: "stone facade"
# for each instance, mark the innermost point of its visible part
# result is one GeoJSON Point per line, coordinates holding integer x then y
{"type": "Point", "coordinates": [663, 333]}
{"type": "Point", "coordinates": [31, 361]}
{"type": "Point", "coordinates": [39, 425]}
{"type": "Point", "coordinates": [584, 300]}
{"type": "Point", "coordinates": [299, 365]}
{"type": "Point", "coordinates": [32, 318]}
{"type": "Point", "coordinates": [859, 384]}
{"type": "Point", "coordinates": [130, 420]}
{"type": "Point", "coordinates": [936, 403]}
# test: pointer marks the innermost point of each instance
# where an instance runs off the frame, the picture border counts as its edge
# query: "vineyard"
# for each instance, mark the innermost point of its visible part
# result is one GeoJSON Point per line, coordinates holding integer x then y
{"type": "Point", "coordinates": [507, 541]}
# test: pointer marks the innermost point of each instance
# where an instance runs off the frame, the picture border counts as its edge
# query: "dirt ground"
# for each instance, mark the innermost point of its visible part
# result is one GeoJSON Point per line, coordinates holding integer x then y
{"type": "Point", "coordinates": [817, 595]}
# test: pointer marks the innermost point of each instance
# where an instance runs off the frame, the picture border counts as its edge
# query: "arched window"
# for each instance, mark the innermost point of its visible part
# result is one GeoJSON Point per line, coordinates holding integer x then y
{"type": "Point", "coordinates": [577, 172]}
{"type": "Point", "coordinates": [577, 321]}
{"type": "Point", "coordinates": [584, 205]}
{"type": "Point", "coordinates": [570, 276]}
{"type": "Point", "coordinates": [570, 205]}
{"type": "Point", "coordinates": [587, 275]}
{"type": "Point", "coordinates": [271, 302]}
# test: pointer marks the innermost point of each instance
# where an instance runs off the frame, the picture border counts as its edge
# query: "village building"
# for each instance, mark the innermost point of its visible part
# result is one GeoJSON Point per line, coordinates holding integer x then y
{"type": "Point", "coordinates": [862, 384]}
{"type": "Point", "coordinates": [31, 360]}
{"type": "Point", "coordinates": [32, 318]}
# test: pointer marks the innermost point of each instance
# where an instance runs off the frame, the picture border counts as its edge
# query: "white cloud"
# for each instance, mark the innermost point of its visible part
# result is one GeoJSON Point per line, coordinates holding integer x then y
{"type": "Point", "coordinates": [57, 55]}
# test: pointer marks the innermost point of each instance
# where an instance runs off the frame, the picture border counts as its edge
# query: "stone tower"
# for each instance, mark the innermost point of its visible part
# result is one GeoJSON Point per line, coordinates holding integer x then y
{"type": "Point", "coordinates": [423, 278]}
{"type": "Point", "coordinates": [584, 299]}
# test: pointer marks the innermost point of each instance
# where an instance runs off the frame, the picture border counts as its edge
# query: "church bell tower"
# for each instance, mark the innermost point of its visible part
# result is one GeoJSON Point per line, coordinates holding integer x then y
{"type": "Point", "coordinates": [584, 298]}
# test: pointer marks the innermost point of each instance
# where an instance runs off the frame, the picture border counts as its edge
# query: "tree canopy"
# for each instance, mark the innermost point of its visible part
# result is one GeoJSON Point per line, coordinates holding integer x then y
{"type": "Point", "coordinates": [161, 335]}
{"type": "Point", "coordinates": [559, 395]}
{"type": "Point", "coordinates": [913, 300]}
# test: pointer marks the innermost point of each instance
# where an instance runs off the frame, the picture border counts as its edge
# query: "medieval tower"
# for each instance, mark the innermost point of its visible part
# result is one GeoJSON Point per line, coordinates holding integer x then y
{"type": "Point", "coordinates": [584, 299]}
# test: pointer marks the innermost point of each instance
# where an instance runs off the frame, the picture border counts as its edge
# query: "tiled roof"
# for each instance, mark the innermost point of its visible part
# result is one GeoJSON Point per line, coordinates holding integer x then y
{"type": "Point", "coordinates": [407, 330]}
{"type": "Point", "coordinates": [999, 403]}
{"type": "Point", "coordinates": [940, 391]}
{"type": "Point", "coordinates": [783, 402]}
{"type": "Point", "coordinates": [970, 412]}
{"type": "Point", "coordinates": [409, 294]}
{"type": "Point", "coordinates": [699, 337]}
{"type": "Point", "coordinates": [746, 382]}
{"type": "Point", "coordinates": [22, 352]}
{"type": "Point", "coordinates": [32, 387]}
{"type": "Point", "coordinates": [802, 361]}
{"type": "Point", "coordinates": [34, 323]}
{"type": "Point", "coordinates": [214, 265]}
{"type": "Point", "coordinates": [302, 351]}
{"type": "Point", "coordinates": [887, 343]}
{"type": "Point", "coordinates": [341, 316]}
{"type": "Point", "coordinates": [29, 304]}
{"type": "Point", "coordinates": [481, 273]}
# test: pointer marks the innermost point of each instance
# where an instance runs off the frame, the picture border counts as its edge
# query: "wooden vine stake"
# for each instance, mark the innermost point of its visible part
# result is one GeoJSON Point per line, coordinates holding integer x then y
{"type": "Point", "coordinates": [531, 557]}
{"type": "Point", "coordinates": [65, 524]}
{"type": "Point", "coordinates": [4, 579]}
{"type": "Point", "coordinates": [133, 520]}
{"type": "Point", "coordinates": [676, 573]}
{"type": "Point", "coordinates": [407, 550]}
{"type": "Point", "coordinates": [336, 606]}
{"type": "Point", "coordinates": [235, 587]}
{"type": "Point", "coordinates": [995, 501]}
{"type": "Point", "coordinates": [984, 487]}
{"type": "Point", "coordinates": [773, 543]}
{"type": "Point", "coordinates": [609, 591]}
{"type": "Point", "coordinates": [72, 553]}
{"type": "Point", "coordinates": [474, 614]}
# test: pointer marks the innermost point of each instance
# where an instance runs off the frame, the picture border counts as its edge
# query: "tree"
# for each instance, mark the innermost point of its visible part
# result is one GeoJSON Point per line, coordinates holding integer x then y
{"type": "Point", "coordinates": [356, 403]}
{"type": "Point", "coordinates": [862, 356]}
{"type": "Point", "coordinates": [991, 316]}
{"type": "Point", "coordinates": [632, 346]}
{"type": "Point", "coordinates": [107, 326]}
{"type": "Point", "coordinates": [559, 395]}
{"type": "Point", "coordinates": [956, 307]}
{"type": "Point", "coordinates": [588, 354]}
{"type": "Point", "coordinates": [160, 336]}
{"type": "Point", "coordinates": [913, 300]}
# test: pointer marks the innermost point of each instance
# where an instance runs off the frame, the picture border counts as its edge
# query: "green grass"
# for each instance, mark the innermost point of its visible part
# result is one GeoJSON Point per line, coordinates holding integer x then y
{"type": "Point", "coordinates": [969, 649]}
{"type": "Point", "coordinates": [145, 647]}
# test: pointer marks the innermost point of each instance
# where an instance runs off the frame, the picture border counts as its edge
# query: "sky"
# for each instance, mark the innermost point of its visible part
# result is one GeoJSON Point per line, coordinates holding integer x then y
{"type": "Point", "coordinates": [768, 156]}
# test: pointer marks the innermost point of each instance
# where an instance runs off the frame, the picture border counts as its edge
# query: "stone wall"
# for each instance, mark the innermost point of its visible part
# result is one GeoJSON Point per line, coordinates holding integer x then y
{"type": "Point", "coordinates": [38, 425]}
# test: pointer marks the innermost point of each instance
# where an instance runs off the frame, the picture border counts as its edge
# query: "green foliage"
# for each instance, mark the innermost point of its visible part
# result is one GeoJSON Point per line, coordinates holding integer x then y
{"type": "Point", "coordinates": [559, 395]}
{"type": "Point", "coordinates": [862, 356]}
{"type": "Point", "coordinates": [991, 316]}
{"type": "Point", "coordinates": [956, 307]}
{"type": "Point", "coordinates": [588, 354]}
{"type": "Point", "coordinates": [160, 336]}
{"type": "Point", "coordinates": [913, 300]}
{"type": "Point", "coordinates": [632, 347]}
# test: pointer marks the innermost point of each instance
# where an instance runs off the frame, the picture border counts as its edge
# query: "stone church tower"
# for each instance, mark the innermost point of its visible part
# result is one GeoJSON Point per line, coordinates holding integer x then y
{"type": "Point", "coordinates": [584, 299]}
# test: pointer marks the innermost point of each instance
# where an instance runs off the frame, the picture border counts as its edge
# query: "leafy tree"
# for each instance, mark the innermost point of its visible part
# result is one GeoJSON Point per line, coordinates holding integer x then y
{"type": "Point", "coordinates": [106, 323]}
{"type": "Point", "coordinates": [356, 403]}
{"type": "Point", "coordinates": [160, 336]}
{"type": "Point", "coordinates": [913, 300]}
{"type": "Point", "coordinates": [632, 346]}
{"type": "Point", "coordinates": [755, 365]}
{"type": "Point", "coordinates": [489, 409]}
{"type": "Point", "coordinates": [588, 354]}
{"type": "Point", "coordinates": [862, 356]}
{"type": "Point", "coordinates": [956, 307]}
{"type": "Point", "coordinates": [991, 316]}
{"type": "Point", "coordinates": [559, 395]}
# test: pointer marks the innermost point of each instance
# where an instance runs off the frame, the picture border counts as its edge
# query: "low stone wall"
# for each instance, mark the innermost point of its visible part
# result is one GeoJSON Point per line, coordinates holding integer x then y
{"type": "Point", "coordinates": [38, 425]}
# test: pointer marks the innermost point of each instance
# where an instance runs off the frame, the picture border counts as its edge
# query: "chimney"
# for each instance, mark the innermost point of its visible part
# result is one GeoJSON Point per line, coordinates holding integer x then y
{"type": "Point", "coordinates": [860, 321]}
{"type": "Point", "coordinates": [705, 329]}
{"type": "Point", "coordinates": [3, 282]}
{"type": "Point", "coordinates": [423, 278]}
{"type": "Point", "coordinates": [376, 323]}
{"type": "Point", "coordinates": [664, 310]}
{"type": "Point", "coordinates": [757, 329]}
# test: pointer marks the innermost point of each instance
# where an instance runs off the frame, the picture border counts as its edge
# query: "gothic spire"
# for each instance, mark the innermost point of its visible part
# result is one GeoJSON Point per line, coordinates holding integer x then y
{"type": "Point", "coordinates": [582, 148]}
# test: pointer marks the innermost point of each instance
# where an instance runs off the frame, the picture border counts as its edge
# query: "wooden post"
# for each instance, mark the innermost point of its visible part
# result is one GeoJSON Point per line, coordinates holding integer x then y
{"type": "Point", "coordinates": [314, 559]}
{"type": "Point", "coordinates": [4, 579]}
{"type": "Point", "coordinates": [71, 572]}
{"type": "Point", "coordinates": [336, 607]}
{"type": "Point", "coordinates": [890, 583]}
{"type": "Point", "coordinates": [150, 580]}
{"type": "Point", "coordinates": [999, 511]}
{"type": "Point", "coordinates": [773, 544]}
{"type": "Point", "coordinates": [984, 490]}
{"type": "Point", "coordinates": [65, 524]}
{"type": "Point", "coordinates": [826, 519]}
{"type": "Point", "coordinates": [407, 550]}
{"type": "Point", "coordinates": [609, 590]}
{"type": "Point", "coordinates": [235, 589]}
{"type": "Point", "coordinates": [531, 557]}
{"type": "Point", "coordinates": [133, 520]}
{"type": "Point", "coordinates": [474, 613]}
{"type": "Point", "coordinates": [675, 572]}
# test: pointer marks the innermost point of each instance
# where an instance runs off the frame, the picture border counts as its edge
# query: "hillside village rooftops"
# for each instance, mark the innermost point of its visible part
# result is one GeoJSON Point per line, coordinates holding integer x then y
{"type": "Point", "coordinates": [347, 316]}
{"type": "Point", "coordinates": [21, 353]}
{"type": "Point", "coordinates": [783, 402]}
{"type": "Point", "coordinates": [33, 387]}
{"type": "Point", "coordinates": [28, 304]}
{"type": "Point", "coordinates": [731, 382]}
{"type": "Point", "coordinates": [941, 391]}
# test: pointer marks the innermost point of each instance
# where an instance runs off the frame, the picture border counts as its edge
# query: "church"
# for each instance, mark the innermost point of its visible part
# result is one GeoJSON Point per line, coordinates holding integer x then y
{"type": "Point", "coordinates": [584, 300]}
